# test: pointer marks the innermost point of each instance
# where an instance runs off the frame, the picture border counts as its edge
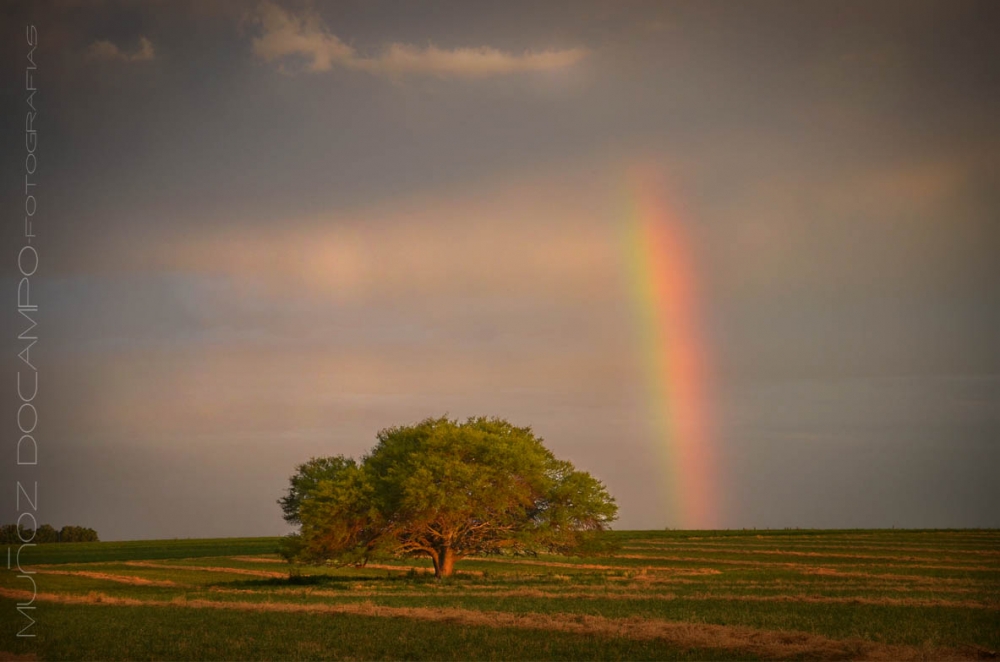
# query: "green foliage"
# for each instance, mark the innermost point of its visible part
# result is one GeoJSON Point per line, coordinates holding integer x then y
{"type": "Point", "coordinates": [303, 484]}
{"type": "Point", "coordinates": [77, 534]}
{"type": "Point", "coordinates": [47, 533]}
{"type": "Point", "coordinates": [444, 490]}
{"type": "Point", "coordinates": [8, 534]}
{"type": "Point", "coordinates": [11, 534]}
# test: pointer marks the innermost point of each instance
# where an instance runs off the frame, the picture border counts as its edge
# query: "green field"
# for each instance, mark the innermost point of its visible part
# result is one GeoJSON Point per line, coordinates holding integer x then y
{"type": "Point", "coordinates": [660, 595]}
{"type": "Point", "coordinates": [89, 552]}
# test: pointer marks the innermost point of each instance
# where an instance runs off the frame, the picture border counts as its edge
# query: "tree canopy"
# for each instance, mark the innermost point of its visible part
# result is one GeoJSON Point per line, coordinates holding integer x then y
{"type": "Point", "coordinates": [444, 490]}
{"type": "Point", "coordinates": [13, 534]}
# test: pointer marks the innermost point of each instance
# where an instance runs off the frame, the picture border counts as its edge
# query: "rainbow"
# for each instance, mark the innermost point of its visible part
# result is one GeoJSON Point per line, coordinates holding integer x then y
{"type": "Point", "coordinates": [664, 286]}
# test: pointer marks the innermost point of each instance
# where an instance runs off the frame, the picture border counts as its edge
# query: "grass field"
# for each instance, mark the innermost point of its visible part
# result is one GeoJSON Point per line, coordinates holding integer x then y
{"type": "Point", "coordinates": [663, 595]}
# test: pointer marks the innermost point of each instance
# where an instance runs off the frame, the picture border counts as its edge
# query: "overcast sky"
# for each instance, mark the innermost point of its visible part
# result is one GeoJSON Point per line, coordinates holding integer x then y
{"type": "Point", "coordinates": [267, 230]}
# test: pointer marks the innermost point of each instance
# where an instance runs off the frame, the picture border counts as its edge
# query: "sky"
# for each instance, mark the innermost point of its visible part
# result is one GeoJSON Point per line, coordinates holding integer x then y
{"type": "Point", "coordinates": [267, 230]}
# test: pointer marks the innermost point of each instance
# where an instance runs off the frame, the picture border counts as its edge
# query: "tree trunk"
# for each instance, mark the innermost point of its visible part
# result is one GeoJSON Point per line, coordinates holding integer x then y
{"type": "Point", "coordinates": [437, 565]}
{"type": "Point", "coordinates": [444, 563]}
{"type": "Point", "coordinates": [448, 566]}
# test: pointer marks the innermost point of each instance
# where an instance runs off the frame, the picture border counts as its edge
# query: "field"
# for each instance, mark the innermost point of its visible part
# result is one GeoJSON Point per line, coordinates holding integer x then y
{"type": "Point", "coordinates": [663, 595]}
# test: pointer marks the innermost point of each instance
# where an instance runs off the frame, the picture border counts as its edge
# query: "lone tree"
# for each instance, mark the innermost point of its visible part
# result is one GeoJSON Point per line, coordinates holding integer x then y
{"type": "Point", "coordinates": [444, 490]}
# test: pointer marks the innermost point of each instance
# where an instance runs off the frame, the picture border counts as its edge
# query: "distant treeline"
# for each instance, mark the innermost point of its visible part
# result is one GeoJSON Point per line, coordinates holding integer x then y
{"type": "Point", "coordinates": [11, 534]}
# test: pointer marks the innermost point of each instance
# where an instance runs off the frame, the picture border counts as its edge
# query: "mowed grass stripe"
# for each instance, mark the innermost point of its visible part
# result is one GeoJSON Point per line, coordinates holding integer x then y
{"type": "Point", "coordinates": [492, 592]}
{"type": "Point", "coordinates": [808, 534]}
{"type": "Point", "coordinates": [155, 633]}
{"type": "Point", "coordinates": [92, 552]}
{"type": "Point", "coordinates": [983, 545]}
{"type": "Point", "coordinates": [707, 554]}
{"type": "Point", "coordinates": [714, 560]}
{"type": "Point", "coordinates": [989, 544]}
{"type": "Point", "coordinates": [762, 643]}
{"type": "Point", "coordinates": [875, 550]}
{"type": "Point", "coordinates": [890, 553]}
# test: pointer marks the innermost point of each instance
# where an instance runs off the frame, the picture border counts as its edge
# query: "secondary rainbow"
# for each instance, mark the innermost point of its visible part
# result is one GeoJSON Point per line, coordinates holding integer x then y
{"type": "Point", "coordinates": [664, 286]}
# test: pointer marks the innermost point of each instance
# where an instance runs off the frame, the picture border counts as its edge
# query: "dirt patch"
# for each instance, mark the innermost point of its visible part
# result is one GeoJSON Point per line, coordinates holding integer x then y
{"type": "Point", "coordinates": [763, 643]}
{"type": "Point", "coordinates": [121, 579]}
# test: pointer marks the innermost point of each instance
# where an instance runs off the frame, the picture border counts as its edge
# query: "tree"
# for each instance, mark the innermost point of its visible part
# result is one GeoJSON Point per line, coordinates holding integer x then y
{"type": "Point", "coordinates": [306, 480]}
{"type": "Point", "coordinates": [77, 534]}
{"type": "Point", "coordinates": [444, 490]}
{"type": "Point", "coordinates": [46, 533]}
{"type": "Point", "coordinates": [8, 534]}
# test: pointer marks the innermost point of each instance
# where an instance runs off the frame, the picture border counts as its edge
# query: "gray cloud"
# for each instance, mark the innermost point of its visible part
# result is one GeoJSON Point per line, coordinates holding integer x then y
{"type": "Point", "coordinates": [106, 50]}
{"type": "Point", "coordinates": [306, 36]}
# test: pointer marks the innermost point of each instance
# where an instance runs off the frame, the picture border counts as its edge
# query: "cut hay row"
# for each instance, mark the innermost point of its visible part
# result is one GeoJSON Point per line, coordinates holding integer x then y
{"type": "Point", "coordinates": [220, 569]}
{"type": "Point", "coordinates": [592, 566]}
{"type": "Point", "coordinates": [257, 559]}
{"type": "Point", "coordinates": [121, 579]}
{"type": "Point", "coordinates": [915, 579]}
